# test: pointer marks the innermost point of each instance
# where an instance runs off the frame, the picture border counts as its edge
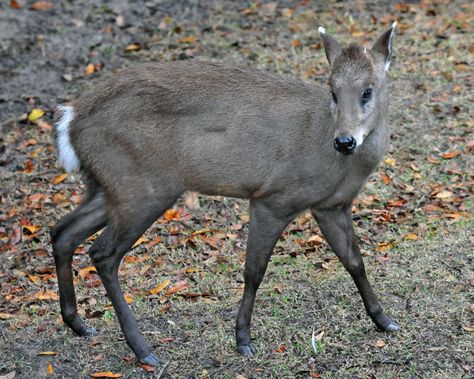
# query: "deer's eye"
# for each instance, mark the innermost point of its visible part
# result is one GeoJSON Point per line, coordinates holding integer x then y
{"type": "Point", "coordinates": [366, 95]}
{"type": "Point", "coordinates": [334, 98]}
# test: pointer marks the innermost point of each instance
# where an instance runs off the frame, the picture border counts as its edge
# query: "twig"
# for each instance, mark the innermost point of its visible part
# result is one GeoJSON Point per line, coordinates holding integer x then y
{"type": "Point", "coordinates": [163, 370]}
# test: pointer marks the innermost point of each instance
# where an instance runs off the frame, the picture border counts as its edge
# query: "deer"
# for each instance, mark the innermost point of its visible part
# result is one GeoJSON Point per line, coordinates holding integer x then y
{"type": "Point", "coordinates": [155, 130]}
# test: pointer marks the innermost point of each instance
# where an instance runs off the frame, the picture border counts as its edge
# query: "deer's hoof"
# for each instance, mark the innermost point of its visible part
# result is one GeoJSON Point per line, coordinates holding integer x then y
{"type": "Point", "coordinates": [247, 350]}
{"type": "Point", "coordinates": [392, 327]}
{"type": "Point", "coordinates": [151, 360]}
{"type": "Point", "coordinates": [89, 331]}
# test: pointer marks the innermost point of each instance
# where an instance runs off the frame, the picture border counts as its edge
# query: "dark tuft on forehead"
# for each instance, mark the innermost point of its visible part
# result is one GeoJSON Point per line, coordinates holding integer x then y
{"type": "Point", "coordinates": [353, 64]}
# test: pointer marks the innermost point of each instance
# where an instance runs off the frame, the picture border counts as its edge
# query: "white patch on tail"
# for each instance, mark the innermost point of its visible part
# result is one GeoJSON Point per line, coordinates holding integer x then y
{"type": "Point", "coordinates": [66, 153]}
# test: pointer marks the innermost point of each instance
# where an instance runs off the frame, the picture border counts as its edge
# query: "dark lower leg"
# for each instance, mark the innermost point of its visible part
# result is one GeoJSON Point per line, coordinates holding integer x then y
{"type": "Point", "coordinates": [337, 228]}
{"type": "Point", "coordinates": [83, 222]}
{"type": "Point", "coordinates": [265, 229]}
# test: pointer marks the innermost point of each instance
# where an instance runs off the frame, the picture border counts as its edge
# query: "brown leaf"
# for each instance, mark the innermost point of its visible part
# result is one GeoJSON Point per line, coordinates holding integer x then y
{"type": "Point", "coordinates": [14, 4]}
{"type": "Point", "coordinates": [385, 179]}
{"type": "Point", "coordinates": [444, 194]}
{"type": "Point", "coordinates": [105, 374]}
{"type": "Point", "coordinates": [178, 286]}
{"type": "Point", "coordinates": [133, 47]}
{"type": "Point", "coordinates": [6, 316]}
{"type": "Point", "coordinates": [50, 368]}
{"type": "Point", "coordinates": [451, 154]}
{"type": "Point", "coordinates": [128, 298]}
{"type": "Point", "coordinates": [47, 353]}
{"type": "Point", "coordinates": [86, 271]}
{"type": "Point", "coordinates": [383, 246]}
{"type": "Point", "coordinates": [468, 328]}
{"type": "Point", "coordinates": [154, 242]}
{"type": "Point", "coordinates": [280, 349]}
{"type": "Point", "coordinates": [171, 214]}
{"type": "Point", "coordinates": [90, 69]}
{"type": "Point", "coordinates": [380, 343]}
{"type": "Point", "coordinates": [165, 308]}
{"type": "Point", "coordinates": [315, 240]}
{"type": "Point", "coordinates": [42, 5]}
{"type": "Point", "coordinates": [139, 241]}
{"type": "Point", "coordinates": [382, 259]}
{"type": "Point", "coordinates": [160, 287]}
{"type": "Point", "coordinates": [44, 295]}
{"type": "Point", "coordinates": [411, 237]}
{"type": "Point", "coordinates": [60, 178]}
{"type": "Point", "coordinates": [295, 43]}
{"type": "Point", "coordinates": [147, 368]}
{"type": "Point", "coordinates": [32, 228]}
{"type": "Point", "coordinates": [188, 39]}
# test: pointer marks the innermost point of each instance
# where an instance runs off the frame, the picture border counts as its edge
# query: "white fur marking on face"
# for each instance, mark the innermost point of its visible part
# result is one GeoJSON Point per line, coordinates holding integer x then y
{"type": "Point", "coordinates": [322, 30]}
{"type": "Point", "coordinates": [359, 137]}
{"type": "Point", "coordinates": [66, 153]}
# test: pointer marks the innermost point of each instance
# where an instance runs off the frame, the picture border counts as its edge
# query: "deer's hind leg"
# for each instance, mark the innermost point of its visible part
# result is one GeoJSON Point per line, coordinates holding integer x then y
{"type": "Point", "coordinates": [88, 218]}
{"type": "Point", "coordinates": [129, 217]}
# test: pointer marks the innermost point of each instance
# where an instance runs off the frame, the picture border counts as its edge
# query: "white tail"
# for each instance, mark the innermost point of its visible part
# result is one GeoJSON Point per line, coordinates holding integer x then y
{"type": "Point", "coordinates": [67, 155]}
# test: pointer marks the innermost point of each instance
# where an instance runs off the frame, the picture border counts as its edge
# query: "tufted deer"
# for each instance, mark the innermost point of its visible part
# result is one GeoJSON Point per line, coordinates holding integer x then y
{"type": "Point", "coordinates": [157, 130]}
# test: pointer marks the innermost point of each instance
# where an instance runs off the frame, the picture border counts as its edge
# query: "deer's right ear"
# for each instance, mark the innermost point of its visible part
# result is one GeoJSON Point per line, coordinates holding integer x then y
{"type": "Point", "coordinates": [331, 46]}
{"type": "Point", "coordinates": [383, 45]}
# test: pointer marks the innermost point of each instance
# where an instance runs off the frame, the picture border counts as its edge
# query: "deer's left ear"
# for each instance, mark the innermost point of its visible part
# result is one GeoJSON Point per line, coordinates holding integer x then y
{"type": "Point", "coordinates": [383, 45]}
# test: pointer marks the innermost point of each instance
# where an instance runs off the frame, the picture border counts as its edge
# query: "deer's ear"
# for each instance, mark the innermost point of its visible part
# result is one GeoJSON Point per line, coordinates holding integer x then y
{"type": "Point", "coordinates": [331, 46]}
{"type": "Point", "coordinates": [383, 46]}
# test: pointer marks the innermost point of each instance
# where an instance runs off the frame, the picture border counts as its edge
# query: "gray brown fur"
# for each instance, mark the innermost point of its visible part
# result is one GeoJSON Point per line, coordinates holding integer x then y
{"type": "Point", "coordinates": [157, 130]}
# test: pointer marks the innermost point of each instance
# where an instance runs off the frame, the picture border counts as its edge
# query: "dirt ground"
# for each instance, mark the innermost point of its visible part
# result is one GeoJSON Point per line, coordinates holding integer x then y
{"type": "Point", "coordinates": [414, 217]}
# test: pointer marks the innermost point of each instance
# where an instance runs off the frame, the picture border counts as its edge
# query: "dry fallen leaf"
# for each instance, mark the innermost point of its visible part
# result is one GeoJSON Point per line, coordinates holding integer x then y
{"type": "Point", "coordinates": [451, 154]}
{"type": "Point", "coordinates": [160, 287]}
{"type": "Point", "coordinates": [171, 214]}
{"type": "Point", "coordinates": [147, 368]}
{"type": "Point", "coordinates": [295, 43]}
{"type": "Point", "coordinates": [32, 228]}
{"type": "Point", "coordinates": [380, 343]}
{"type": "Point", "coordinates": [47, 353]}
{"type": "Point", "coordinates": [444, 194]}
{"type": "Point", "coordinates": [411, 237]}
{"type": "Point", "coordinates": [105, 374]}
{"type": "Point", "coordinates": [385, 179]}
{"type": "Point", "coordinates": [85, 271]}
{"type": "Point", "coordinates": [128, 298]}
{"type": "Point", "coordinates": [178, 286]}
{"type": "Point", "coordinates": [14, 4]}
{"type": "Point", "coordinates": [42, 5]}
{"type": "Point", "coordinates": [188, 39]}
{"type": "Point", "coordinates": [90, 69]}
{"type": "Point", "coordinates": [50, 369]}
{"type": "Point", "coordinates": [133, 47]}
{"type": "Point", "coordinates": [280, 349]}
{"type": "Point", "coordinates": [60, 178]}
{"type": "Point", "coordinates": [44, 295]}
{"type": "Point", "coordinates": [35, 114]}
{"type": "Point", "coordinates": [140, 241]}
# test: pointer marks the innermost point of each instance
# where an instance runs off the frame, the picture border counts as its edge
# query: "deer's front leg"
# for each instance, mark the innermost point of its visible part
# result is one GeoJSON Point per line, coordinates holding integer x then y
{"type": "Point", "coordinates": [336, 226]}
{"type": "Point", "coordinates": [266, 227]}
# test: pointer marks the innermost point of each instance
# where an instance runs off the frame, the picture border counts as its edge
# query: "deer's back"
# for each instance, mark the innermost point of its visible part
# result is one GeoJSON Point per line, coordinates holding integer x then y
{"type": "Point", "coordinates": [217, 129]}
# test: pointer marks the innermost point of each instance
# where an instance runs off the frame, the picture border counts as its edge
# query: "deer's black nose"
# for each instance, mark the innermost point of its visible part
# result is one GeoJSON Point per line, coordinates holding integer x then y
{"type": "Point", "coordinates": [345, 145]}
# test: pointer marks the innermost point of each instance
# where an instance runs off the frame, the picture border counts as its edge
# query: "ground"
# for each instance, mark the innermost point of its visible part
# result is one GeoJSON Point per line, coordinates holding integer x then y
{"type": "Point", "coordinates": [184, 278]}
